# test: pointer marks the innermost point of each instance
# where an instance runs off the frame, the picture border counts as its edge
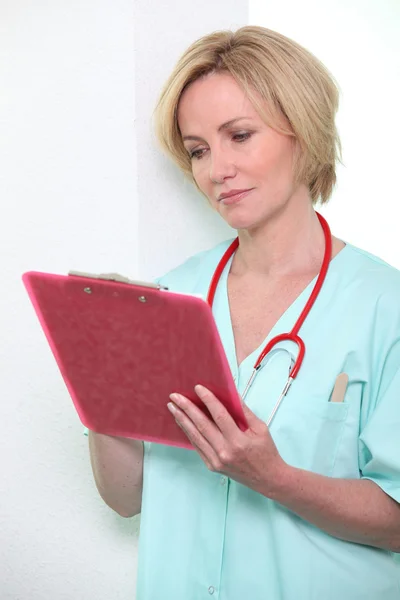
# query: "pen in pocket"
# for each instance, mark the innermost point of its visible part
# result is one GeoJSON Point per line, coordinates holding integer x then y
{"type": "Point", "coordinates": [339, 389]}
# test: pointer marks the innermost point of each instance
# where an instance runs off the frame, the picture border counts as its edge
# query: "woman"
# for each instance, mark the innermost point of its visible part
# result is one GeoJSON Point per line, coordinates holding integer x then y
{"type": "Point", "coordinates": [307, 508]}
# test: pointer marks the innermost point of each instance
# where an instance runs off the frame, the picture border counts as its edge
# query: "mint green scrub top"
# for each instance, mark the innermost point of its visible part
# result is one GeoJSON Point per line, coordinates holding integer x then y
{"type": "Point", "coordinates": [204, 535]}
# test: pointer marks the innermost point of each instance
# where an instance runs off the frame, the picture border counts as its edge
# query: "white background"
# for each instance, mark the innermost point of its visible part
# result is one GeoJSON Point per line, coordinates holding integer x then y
{"type": "Point", "coordinates": [84, 187]}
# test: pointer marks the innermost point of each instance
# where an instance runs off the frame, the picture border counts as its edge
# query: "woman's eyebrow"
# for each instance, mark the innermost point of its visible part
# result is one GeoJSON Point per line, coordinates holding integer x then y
{"type": "Point", "coordinates": [220, 128]}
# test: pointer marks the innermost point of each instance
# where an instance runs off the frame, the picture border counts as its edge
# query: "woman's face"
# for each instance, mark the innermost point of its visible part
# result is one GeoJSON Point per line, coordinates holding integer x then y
{"type": "Point", "coordinates": [231, 148]}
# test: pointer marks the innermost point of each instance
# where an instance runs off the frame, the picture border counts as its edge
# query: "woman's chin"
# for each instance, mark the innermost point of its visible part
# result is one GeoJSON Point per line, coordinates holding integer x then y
{"type": "Point", "coordinates": [240, 222]}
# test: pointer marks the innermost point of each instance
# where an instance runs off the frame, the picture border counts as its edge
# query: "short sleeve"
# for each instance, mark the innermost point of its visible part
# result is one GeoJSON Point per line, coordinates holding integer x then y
{"type": "Point", "coordinates": [380, 437]}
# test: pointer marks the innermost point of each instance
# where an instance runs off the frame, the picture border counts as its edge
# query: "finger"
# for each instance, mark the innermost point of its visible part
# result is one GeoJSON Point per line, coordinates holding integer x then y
{"type": "Point", "coordinates": [252, 420]}
{"type": "Point", "coordinates": [203, 424]}
{"type": "Point", "coordinates": [199, 442]}
{"type": "Point", "coordinates": [255, 423]}
{"type": "Point", "coordinates": [220, 415]}
{"type": "Point", "coordinates": [203, 456]}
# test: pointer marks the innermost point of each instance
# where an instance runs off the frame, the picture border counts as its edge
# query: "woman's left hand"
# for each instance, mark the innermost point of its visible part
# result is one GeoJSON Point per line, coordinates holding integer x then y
{"type": "Point", "coordinates": [250, 457]}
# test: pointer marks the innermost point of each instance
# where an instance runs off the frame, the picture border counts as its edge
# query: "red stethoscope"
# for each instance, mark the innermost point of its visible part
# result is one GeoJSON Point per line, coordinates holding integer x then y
{"type": "Point", "coordinates": [293, 335]}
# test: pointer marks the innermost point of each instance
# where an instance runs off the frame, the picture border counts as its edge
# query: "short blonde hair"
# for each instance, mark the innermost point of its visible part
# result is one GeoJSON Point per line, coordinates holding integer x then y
{"type": "Point", "coordinates": [290, 80]}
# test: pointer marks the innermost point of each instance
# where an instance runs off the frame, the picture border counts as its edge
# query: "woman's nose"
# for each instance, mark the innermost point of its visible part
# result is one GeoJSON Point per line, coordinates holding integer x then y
{"type": "Point", "coordinates": [221, 167]}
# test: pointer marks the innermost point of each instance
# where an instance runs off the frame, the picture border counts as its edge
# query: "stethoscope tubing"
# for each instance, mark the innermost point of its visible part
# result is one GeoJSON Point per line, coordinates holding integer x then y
{"type": "Point", "coordinates": [293, 335]}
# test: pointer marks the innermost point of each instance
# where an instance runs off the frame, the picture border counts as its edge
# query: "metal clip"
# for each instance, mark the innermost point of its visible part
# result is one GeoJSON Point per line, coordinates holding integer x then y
{"type": "Point", "coordinates": [118, 278]}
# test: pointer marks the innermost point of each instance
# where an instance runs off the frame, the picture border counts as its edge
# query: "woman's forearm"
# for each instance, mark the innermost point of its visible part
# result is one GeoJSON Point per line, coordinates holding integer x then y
{"type": "Point", "coordinates": [350, 509]}
{"type": "Point", "coordinates": [117, 465]}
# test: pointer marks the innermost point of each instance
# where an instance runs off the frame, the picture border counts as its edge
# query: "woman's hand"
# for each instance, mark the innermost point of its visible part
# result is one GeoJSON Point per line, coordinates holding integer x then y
{"type": "Point", "coordinates": [354, 510]}
{"type": "Point", "coordinates": [249, 457]}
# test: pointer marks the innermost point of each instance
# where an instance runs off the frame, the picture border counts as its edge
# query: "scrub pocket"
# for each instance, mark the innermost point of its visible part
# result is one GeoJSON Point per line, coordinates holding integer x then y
{"type": "Point", "coordinates": [308, 432]}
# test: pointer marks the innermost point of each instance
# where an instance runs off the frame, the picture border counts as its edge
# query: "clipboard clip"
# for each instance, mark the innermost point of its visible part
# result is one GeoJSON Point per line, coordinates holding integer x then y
{"type": "Point", "coordinates": [118, 278]}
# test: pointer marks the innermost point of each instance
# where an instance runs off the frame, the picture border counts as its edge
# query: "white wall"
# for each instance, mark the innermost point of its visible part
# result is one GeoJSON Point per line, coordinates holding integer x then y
{"type": "Point", "coordinates": [82, 186]}
{"type": "Point", "coordinates": [358, 40]}
{"type": "Point", "coordinates": [67, 162]}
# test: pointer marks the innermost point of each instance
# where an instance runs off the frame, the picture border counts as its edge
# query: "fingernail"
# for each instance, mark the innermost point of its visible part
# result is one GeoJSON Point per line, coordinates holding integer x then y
{"type": "Point", "coordinates": [171, 407]}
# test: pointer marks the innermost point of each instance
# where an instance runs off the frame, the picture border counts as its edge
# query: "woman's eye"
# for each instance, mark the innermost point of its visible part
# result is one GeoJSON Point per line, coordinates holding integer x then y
{"type": "Point", "coordinates": [237, 137]}
{"type": "Point", "coordinates": [241, 137]}
{"type": "Point", "coordinates": [196, 153]}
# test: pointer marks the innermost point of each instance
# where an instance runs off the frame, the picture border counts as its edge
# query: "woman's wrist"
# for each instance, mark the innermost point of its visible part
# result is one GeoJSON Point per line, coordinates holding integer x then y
{"type": "Point", "coordinates": [279, 485]}
{"type": "Point", "coordinates": [355, 510]}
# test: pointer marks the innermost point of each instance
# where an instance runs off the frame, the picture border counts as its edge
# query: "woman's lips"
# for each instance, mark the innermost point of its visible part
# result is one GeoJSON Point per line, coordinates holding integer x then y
{"type": "Point", "coordinates": [236, 198]}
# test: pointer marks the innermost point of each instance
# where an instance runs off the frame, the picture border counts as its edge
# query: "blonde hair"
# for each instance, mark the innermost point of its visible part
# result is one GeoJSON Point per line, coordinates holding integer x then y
{"type": "Point", "coordinates": [290, 80]}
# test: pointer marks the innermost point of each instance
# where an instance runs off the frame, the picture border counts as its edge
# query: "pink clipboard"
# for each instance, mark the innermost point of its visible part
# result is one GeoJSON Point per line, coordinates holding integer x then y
{"type": "Point", "coordinates": [122, 347]}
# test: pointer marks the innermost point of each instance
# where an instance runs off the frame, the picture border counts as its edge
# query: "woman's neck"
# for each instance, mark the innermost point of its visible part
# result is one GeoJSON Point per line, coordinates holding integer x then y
{"type": "Point", "coordinates": [291, 242]}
